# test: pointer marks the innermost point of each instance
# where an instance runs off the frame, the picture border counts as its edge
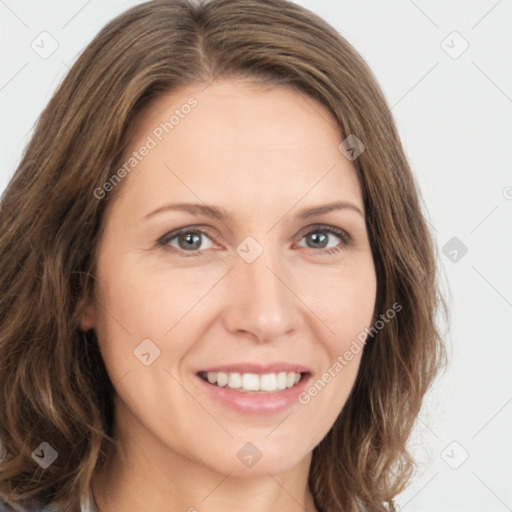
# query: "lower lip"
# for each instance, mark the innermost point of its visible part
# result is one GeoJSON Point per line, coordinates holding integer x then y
{"type": "Point", "coordinates": [261, 403]}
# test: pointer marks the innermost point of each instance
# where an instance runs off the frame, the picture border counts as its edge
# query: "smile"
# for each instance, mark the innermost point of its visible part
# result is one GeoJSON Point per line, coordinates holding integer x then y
{"type": "Point", "coordinates": [253, 382]}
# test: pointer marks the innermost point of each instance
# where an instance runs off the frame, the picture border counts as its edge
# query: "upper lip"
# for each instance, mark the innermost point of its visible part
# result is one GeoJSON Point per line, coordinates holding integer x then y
{"type": "Point", "coordinates": [259, 369]}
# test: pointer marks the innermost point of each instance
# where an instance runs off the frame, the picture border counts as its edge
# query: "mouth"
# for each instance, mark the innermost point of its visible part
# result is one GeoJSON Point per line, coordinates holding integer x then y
{"type": "Point", "coordinates": [255, 388]}
{"type": "Point", "coordinates": [253, 383]}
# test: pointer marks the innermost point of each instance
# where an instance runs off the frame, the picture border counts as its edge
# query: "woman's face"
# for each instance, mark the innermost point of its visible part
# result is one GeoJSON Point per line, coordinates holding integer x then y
{"type": "Point", "coordinates": [223, 260]}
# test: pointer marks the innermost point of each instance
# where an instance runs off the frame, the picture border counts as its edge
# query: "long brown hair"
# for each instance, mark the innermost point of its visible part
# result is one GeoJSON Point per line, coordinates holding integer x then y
{"type": "Point", "coordinates": [53, 384]}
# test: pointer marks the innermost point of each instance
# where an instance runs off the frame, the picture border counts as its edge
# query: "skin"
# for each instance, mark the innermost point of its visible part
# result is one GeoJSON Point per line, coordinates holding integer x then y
{"type": "Point", "coordinates": [263, 154]}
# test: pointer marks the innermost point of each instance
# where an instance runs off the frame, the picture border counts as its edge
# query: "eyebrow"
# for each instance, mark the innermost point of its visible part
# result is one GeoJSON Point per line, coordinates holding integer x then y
{"type": "Point", "coordinates": [220, 214]}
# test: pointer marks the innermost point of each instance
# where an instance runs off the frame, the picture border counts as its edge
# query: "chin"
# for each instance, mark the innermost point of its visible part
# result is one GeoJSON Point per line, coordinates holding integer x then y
{"type": "Point", "coordinates": [259, 458]}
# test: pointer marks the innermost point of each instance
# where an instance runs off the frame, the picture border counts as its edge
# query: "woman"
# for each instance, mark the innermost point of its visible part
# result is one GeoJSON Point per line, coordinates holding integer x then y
{"type": "Point", "coordinates": [217, 286]}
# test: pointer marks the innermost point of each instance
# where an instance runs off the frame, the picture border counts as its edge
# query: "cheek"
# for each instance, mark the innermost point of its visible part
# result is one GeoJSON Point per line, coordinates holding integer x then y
{"type": "Point", "coordinates": [343, 299]}
{"type": "Point", "coordinates": [139, 302]}
{"type": "Point", "coordinates": [350, 309]}
{"type": "Point", "coordinates": [147, 300]}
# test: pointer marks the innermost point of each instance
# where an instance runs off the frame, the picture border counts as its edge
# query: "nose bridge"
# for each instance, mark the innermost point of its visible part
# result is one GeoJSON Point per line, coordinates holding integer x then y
{"type": "Point", "coordinates": [261, 302]}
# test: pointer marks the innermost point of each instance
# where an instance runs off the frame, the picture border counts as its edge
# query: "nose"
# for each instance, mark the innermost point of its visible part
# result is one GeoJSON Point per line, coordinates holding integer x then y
{"type": "Point", "coordinates": [261, 304]}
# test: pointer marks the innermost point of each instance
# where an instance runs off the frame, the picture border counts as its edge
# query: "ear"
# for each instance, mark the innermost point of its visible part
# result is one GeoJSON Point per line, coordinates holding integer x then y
{"type": "Point", "coordinates": [86, 318]}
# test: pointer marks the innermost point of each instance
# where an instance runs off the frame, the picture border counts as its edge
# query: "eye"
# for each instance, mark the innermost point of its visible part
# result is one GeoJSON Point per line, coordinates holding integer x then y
{"type": "Point", "coordinates": [326, 237]}
{"type": "Point", "coordinates": [188, 240]}
{"type": "Point", "coordinates": [192, 241]}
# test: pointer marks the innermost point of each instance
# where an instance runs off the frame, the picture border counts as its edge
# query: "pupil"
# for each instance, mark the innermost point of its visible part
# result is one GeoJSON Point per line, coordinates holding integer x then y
{"type": "Point", "coordinates": [191, 241]}
{"type": "Point", "coordinates": [319, 239]}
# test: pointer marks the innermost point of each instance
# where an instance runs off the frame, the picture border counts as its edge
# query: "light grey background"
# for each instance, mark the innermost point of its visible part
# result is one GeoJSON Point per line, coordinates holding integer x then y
{"type": "Point", "coordinates": [454, 116]}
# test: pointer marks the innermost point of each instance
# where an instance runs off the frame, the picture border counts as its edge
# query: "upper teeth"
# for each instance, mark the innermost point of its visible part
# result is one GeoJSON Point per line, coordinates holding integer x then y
{"type": "Point", "coordinates": [253, 381]}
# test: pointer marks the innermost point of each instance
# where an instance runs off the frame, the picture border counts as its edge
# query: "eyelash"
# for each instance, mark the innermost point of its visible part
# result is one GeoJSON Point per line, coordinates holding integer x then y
{"type": "Point", "coordinates": [346, 239]}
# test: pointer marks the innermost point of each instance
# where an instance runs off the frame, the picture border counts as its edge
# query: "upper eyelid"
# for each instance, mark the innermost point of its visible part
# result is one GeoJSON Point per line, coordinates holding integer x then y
{"type": "Point", "coordinates": [171, 235]}
{"type": "Point", "coordinates": [342, 234]}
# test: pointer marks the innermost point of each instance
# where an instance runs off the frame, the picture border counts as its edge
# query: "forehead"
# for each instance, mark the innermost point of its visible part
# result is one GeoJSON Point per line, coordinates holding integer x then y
{"type": "Point", "coordinates": [242, 114]}
{"type": "Point", "coordinates": [232, 138]}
